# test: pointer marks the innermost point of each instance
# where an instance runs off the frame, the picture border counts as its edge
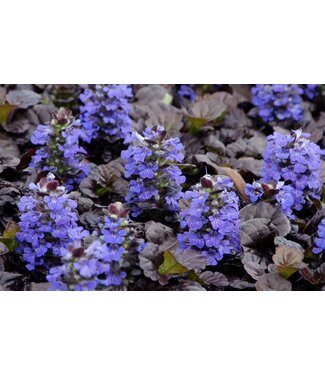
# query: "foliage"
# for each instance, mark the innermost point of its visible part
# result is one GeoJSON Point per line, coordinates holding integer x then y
{"type": "Point", "coordinates": [162, 187]}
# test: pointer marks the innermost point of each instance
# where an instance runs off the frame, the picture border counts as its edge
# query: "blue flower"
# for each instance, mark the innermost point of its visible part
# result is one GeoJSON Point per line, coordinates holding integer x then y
{"type": "Point", "coordinates": [211, 221]}
{"type": "Point", "coordinates": [120, 242]}
{"type": "Point", "coordinates": [319, 245]}
{"type": "Point", "coordinates": [83, 267]}
{"type": "Point", "coordinates": [60, 152]}
{"type": "Point", "coordinates": [278, 102]}
{"type": "Point", "coordinates": [113, 236]}
{"type": "Point", "coordinates": [254, 191]}
{"type": "Point", "coordinates": [45, 220]}
{"type": "Point", "coordinates": [311, 91]}
{"type": "Point", "coordinates": [188, 92]}
{"type": "Point", "coordinates": [41, 135]}
{"type": "Point", "coordinates": [105, 111]}
{"type": "Point", "coordinates": [96, 261]}
{"type": "Point", "coordinates": [293, 162]}
{"type": "Point", "coordinates": [150, 165]}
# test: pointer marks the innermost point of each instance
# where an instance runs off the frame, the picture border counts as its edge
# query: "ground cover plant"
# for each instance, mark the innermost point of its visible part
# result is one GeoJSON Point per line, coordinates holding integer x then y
{"type": "Point", "coordinates": [162, 187]}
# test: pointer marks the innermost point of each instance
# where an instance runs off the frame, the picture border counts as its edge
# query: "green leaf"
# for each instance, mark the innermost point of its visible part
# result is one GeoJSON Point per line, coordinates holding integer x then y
{"type": "Point", "coordinates": [170, 265]}
{"type": "Point", "coordinates": [194, 277]}
{"type": "Point", "coordinates": [286, 272]}
{"type": "Point", "coordinates": [167, 99]}
{"type": "Point", "coordinates": [101, 192]}
{"type": "Point", "coordinates": [10, 243]}
{"type": "Point", "coordinates": [5, 110]}
{"type": "Point", "coordinates": [195, 124]}
{"type": "Point", "coordinates": [9, 237]}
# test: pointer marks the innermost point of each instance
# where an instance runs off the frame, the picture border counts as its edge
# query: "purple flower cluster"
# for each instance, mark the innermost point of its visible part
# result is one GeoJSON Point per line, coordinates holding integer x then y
{"type": "Point", "coordinates": [319, 245]}
{"type": "Point", "coordinates": [278, 102]}
{"type": "Point", "coordinates": [89, 264]}
{"type": "Point", "coordinates": [60, 152]}
{"type": "Point", "coordinates": [150, 163]}
{"type": "Point", "coordinates": [188, 92]}
{"type": "Point", "coordinates": [294, 163]}
{"type": "Point", "coordinates": [211, 220]}
{"type": "Point", "coordinates": [120, 241]}
{"type": "Point", "coordinates": [311, 91]}
{"type": "Point", "coordinates": [46, 217]}
{"type": "Point", "coordinates": [105, 111]}
{"type": "Point", "coordinates": [81, 265]}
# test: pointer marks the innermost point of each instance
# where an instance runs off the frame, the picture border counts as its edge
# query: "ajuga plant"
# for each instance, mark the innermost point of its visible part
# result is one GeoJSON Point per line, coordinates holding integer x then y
{"type": "Point", "coordinates": [81, 263]}
{"type": "Point", "coordinates": [293, 164]}
{"type": "Point", "coordinates": [319, 245]}
{"type": "Point", "coordinates": [188, 92]}
{"type": "Point", "coordinates": [119, 235]}
{"type": "Point", "coordinates": [46, 216]}
{"type": "Point", "coordinates": [60, 150]}
{"type": "Point", "coordinates": [210, 222]}
{"type": "Point", "coordinates": [105, 112]}
{"type": "Point", "coordinates": [280, 103]}
{"type": "Point", "coordinates": [150, 164]}
{"type": "Point", "coordinates": [95, 262]}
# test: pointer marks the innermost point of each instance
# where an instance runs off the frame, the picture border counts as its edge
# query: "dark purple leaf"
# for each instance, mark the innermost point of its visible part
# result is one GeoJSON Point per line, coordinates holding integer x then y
{"type": "Point", "coordinates": [17, 127]}
{"type": "Point", "coordinates": [190, 259]}
{"type": "Point", "coordinates": [237, 283]}
{"type": "Point", "coordinates": [190, 286]}
{"type": "Point", "coordinates": [150, 258]}
{"type": "Point", "coordinates": [254, 265]}
{"type": "Point", "coordinates": [314, 277]}
{"type": "Point", "coordinates": [273, 282]}
{"type": "Point", "coordinates": [23, 98]}
{"type": "Point", "coordinates": [260, 223]}
{"type": "Point", "coordinates": [214, 278]}
{"type": "Point", "coordinates": [151, 94]}
{"type": "Point", "coordinates": [159, 234]}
